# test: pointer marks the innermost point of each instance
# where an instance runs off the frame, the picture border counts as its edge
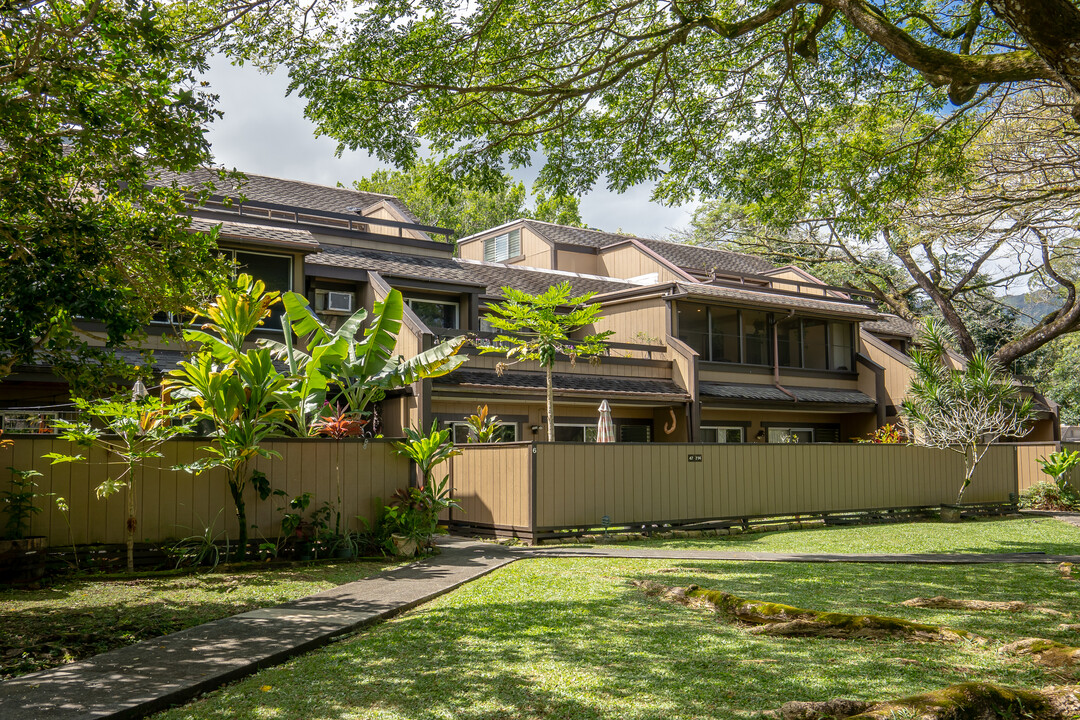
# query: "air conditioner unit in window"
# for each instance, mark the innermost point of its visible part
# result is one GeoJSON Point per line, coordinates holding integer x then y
{"type": "Point", "coordinates": [339, 301]}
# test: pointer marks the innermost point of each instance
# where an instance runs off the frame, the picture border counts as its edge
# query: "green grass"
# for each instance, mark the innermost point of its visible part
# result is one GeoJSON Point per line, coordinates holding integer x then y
{"type": "Point", "coordinates": [76, 617]}
{"type": "Point", "coordinates": [1023, 535]}
{"type": "Point", "coordinates": [568, 638]}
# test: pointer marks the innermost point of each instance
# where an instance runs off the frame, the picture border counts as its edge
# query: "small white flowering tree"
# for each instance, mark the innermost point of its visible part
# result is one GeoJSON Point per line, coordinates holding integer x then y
{"type": "Point", "coordinates": [964, 410]}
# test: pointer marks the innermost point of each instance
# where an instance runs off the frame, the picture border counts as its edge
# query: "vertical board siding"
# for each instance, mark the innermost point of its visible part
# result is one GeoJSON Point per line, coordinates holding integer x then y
{"type": "Point", "coordinates": [1028, 470]}
{"type": "Point", "coordinates": [492, 483]}
{"type": "Point", "coordinates": [578, 484]}
{"type": "Point", "coordinates": [174, 504]}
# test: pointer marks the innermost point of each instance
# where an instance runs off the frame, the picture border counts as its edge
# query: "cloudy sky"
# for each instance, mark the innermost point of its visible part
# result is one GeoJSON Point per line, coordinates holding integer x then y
{"type": "Point", "coordinates": [265, 132]}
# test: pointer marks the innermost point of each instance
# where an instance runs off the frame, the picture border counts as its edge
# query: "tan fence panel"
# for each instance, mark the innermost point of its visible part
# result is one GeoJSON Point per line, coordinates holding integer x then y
{"type": "Point", "coordinates": [492, 483]}
{"type": "Point", "coordinates": [578, 484]}
{"type": "Point", "coordinates": [1028, 470]}
{"type": "Point", "coordinates": [173, 504]}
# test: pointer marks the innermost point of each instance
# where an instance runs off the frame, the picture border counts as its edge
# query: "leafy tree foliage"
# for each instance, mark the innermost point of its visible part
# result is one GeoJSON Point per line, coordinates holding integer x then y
{"type": "Point", "coordinates": [95, 98]}
{"type": "Point", "coordinates": [953, 247]}
{"type": "Point", "coordinates": [538, 327]}
{"type": "Point", "coordinates": [429, 191]}
{"type": "Point", "coordinates": [769, 101]}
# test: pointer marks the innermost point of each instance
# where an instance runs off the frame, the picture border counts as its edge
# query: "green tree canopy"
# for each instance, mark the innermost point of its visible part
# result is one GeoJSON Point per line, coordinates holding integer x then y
{"type": "Point", "coordinates": [767, 101]}
{"type": "Point", "coordinates": [95, 99]}
{"type": "Point", "coordinates": [433, 196]}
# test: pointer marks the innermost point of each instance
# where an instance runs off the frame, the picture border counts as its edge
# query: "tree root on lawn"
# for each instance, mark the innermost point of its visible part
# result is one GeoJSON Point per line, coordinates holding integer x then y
{"type": "Point", "coordinates": [944, 603]}
{"type": "Point", "coordinates": [787, 621]}
{"type": "Point", "coordinates": [974, 701]}
{"type": "Point", "coordinates": [1044, 652]}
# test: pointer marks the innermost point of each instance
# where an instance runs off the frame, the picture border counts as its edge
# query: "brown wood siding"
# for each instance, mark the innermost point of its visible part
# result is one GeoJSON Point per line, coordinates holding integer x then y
{"type": "Point", "coordinates": [581, 367]}
{"type": "Point", "coordinates": [897, 372]}
{"type": "Point", "coordinates": [577, 262]}
{"type": "Point", "coordinates": [630, 261]}
{"type": "Point", "coordinates": [175, 504]}
{"type": "Point", "coordinates": [492, 484]}
{"type": "Point", "coordinates": [642, 322]}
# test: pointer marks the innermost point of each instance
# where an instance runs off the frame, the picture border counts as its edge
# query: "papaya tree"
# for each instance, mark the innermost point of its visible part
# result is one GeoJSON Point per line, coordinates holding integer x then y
{"type": "Point", "coordinates": [130, 429]}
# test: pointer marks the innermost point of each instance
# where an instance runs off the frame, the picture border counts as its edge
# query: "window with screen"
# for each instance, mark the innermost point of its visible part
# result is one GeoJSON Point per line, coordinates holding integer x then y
{"type": "Point", "coordinates": [504, 432]}
{"type": "Point", "coordinates": [723, 434]}
{"type": "Point", "coordinates": [436, 314]}
{"type": "Point", "coordinates": [502, 247]}
{"type": "Point", "coordinates": [635, 433]}
{"type": "Point", "coordinates": [575, 433]}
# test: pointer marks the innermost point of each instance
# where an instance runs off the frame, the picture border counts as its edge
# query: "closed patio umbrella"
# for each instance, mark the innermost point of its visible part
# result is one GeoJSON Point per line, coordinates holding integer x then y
{"type": "Point", "coordinates": [605, 430]}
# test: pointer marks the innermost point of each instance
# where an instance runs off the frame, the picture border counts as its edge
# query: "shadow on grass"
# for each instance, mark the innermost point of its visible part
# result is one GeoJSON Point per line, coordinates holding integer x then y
{"type": "Point", "coordinates": [570, 639]}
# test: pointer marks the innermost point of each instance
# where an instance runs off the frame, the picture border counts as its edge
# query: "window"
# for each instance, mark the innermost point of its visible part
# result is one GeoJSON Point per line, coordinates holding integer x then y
{"type": "Point", "coordinates": [789, 342]}
{"type": "Point", "coordinates": [276, 272]}
{"type": "Point", "coordinates": [821, 434]}
{"type": "Point", "coordinates": [694, 328]}
{"type": "Point", "coordinates": [791, 435]}
{"type": "Point", "coordinates": [575, 433]}
{"type": "Point", "coordinates": [815, 344]}
{"type": "Point", "coordinates": [502, 247]}
{"type": "Point", "coordinates": [335, 300]}
{"type": "Point", "coordinates": [436, 314]}
{"type": "Point", "coordinates": [758, 337]}
{"type": "Point", "coordinates": [725, 333]}
{"type": "Point", "coordinates": [507, 432]}
{"type": "Point", "coordinates": [635, 433]}
{"type": "Point", "coordinates": [841, 356]}
{"type": "Point", "coordinates": [723, 434]}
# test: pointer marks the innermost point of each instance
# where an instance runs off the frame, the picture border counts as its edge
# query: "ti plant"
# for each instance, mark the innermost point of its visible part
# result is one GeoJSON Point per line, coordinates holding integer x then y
{"type": "Point", "coordinates": [239, 392]}
{"type": "Point", "coordinates": [963, 409]}
{"type": "Point", "coordinates": [131, 429]}
{"type": "Point", "coordinates": [427, 451]}
{"type": "Point", "coordinates": [1058, 464]}
{"type": "Point", "coordinates": [483, 428]}
{"type": "Point", "coordinates": [339, 425]}
{"type": "Point", "coordinates": [538, 327]}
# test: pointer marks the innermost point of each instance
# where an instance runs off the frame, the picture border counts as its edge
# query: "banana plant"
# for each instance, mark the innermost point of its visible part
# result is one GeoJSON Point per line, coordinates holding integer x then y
{"type": "Point", "coordinates": [363, 368]}
{"type": "Point", "coordinates": [240, 393]}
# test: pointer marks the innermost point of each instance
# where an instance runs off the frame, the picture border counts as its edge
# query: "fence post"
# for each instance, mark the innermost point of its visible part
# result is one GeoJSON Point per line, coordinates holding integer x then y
{"type": "Point", "coordinates": [532, 491]}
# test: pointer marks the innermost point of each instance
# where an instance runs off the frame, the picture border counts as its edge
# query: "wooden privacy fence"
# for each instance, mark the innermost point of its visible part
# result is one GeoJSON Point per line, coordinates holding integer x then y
{"type": "Point", "coordinates": [175, 504]}
{"type": "Point", "coordinates": [534, 489]}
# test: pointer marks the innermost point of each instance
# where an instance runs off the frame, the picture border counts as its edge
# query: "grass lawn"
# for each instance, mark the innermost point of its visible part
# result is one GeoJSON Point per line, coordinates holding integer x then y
{"type": "Point", "coordinates": [80, 616]}
{"type": "Point", "coordinates": [1029, 534]}
{"type": "Point", "coordinates": [568, 638]}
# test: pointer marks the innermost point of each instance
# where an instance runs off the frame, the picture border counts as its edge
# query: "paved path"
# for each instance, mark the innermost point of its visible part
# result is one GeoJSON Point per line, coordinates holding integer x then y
{"type": "Point", "coordinates": [135, 681]}
{"type": "Point", "coordinates": [1071, 518]}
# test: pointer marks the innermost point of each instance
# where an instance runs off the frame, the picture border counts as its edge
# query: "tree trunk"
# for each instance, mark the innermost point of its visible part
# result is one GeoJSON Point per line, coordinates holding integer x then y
{"type": "Point", "coordinates": [1052, 29]}
{"type": "Point", "coordinates": [237, 490]}
{"type": "Point", "coordinates": [130, 536]}
{"type": "Point", "coordinates": [550, 407]}
{"type": "Point", "coordinates": [970, 460]}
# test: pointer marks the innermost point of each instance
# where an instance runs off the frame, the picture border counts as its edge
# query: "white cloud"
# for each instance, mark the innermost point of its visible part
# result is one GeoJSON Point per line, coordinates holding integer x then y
{"type": "Point", "coordinates": [265, 132]}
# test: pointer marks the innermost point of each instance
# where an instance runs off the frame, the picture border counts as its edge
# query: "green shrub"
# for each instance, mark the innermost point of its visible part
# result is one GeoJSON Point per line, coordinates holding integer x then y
{"type": "Point", "coordinates": [1048, 495]}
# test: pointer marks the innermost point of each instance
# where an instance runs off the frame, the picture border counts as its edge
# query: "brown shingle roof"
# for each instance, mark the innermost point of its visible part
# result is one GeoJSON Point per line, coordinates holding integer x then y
{"type": "Point", "coordinates": [891, 325]}
{"type": "Point", "coordinates": [491, 276]}
{"type": "Point", "coordinates": [562, 382]}
{"type": "Point", "coordinates": [695, 257]}
{"type": "Point", "coordinates": [769, 393]}
{"type": "Point", "coordinates": [254, 231]}
{"type": "Point", "coordinates": [295, 193]}
{"type": "Point", "coordinates": [765, 296]}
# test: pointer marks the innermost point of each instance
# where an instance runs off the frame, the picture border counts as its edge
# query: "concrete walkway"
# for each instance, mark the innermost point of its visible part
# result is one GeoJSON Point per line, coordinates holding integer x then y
{"type": "Point", "coordinates": [135, 681]}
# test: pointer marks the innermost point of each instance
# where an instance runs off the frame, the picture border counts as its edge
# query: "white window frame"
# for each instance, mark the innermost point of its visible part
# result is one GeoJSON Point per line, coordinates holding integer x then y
{"type": "Point", "coordinates": [455, 303]}
{"type": "Point", "coordinates": [500, 248]}
{"type": "Point", "coordinates": [721, 430]}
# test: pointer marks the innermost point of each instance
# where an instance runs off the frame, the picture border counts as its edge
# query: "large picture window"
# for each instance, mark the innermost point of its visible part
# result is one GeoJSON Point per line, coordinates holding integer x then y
{"type": "Point", "coordinates": [723, 434]}
{"type": "Point", "coordinates": [575, 433]}
{"type": "Point", "coordinates": [730, 335]}
{"type": "Point", "coordinates": [504, 432]}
